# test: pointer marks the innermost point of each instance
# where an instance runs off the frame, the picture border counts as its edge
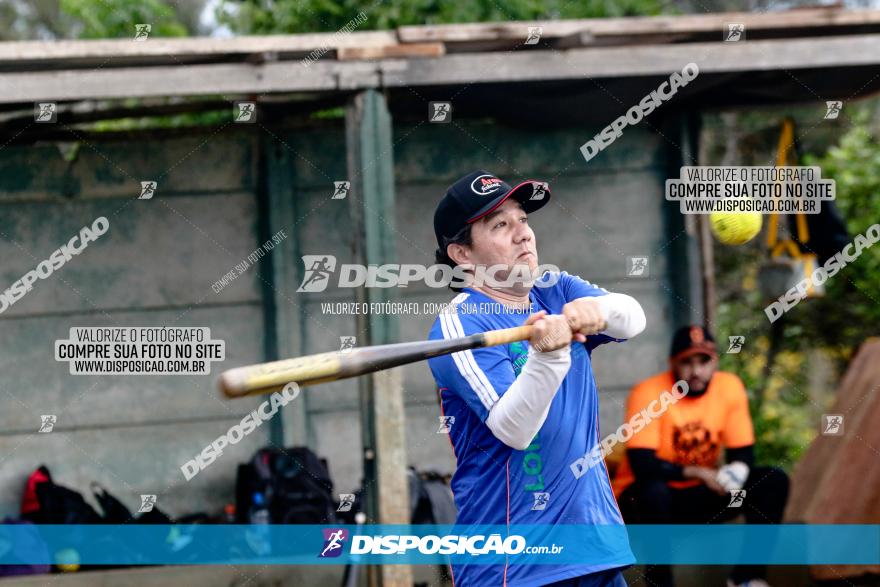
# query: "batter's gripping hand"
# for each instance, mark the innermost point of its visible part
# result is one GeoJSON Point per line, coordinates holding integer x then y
{"type": "Point", "coordinates": [550, 331]}
{"type": "Point", "coordinates": [584, 317]}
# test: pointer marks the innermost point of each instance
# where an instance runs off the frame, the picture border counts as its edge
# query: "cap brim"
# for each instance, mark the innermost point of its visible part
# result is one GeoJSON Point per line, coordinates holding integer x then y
{"type": "Point", "coordinates": [522, 192]}
{"type": "Point", "coordinates": [709, 352]}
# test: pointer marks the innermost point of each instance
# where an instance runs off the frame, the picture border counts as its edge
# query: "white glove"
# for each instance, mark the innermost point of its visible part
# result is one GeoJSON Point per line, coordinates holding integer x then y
{"type": "Point", "coordinates": [733, 476]}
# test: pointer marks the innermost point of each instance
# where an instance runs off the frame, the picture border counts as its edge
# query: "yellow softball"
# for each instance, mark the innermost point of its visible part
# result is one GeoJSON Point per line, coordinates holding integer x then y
{"type": "Point", "coordinates": [735, 228]}
{"type": "Point", "coordinates": [67, 560]}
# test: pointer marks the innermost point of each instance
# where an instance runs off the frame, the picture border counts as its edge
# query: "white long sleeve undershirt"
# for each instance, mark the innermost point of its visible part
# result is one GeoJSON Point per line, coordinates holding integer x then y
{"type": "Point", "coordinates": [623, 314]}
{"type": "Point", "coordinates": [518, 415]}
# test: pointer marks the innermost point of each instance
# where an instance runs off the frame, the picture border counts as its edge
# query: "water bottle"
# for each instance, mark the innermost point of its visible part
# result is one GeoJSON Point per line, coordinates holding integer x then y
{"type": "Point", "coordinates": [258, 534]}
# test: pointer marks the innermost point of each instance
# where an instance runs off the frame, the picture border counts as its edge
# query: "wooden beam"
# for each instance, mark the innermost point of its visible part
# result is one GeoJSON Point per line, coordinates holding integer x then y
{"type": "Point", "coordinates": [390, 51]}
{"type": "Point", "coordinates": [541, 65]}
{"type": "Point", "coordinates": [108, 50]}
{"type": "Point", "coordinates": [111, 53]}
{"type": "Point", "coordinates": [821, 18]}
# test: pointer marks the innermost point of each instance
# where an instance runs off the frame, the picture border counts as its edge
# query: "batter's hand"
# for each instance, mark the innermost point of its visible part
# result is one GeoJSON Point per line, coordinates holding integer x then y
{"type": "Point", "coordinates": [584, 318]}
{"type": "Point", "coordinates": [550, 332]}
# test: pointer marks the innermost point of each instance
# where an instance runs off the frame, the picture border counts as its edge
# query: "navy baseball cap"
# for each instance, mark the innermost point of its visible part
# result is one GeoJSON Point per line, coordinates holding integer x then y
{"type": "Point", "coordinates": [480, 193]}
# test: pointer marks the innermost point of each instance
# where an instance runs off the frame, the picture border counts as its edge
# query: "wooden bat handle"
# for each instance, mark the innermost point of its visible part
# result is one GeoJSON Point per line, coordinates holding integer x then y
{"type": "Point", "coordinates": [507, 335]}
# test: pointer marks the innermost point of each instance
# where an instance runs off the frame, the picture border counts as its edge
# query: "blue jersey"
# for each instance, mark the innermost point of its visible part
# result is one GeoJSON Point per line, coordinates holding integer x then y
{"type": "Point", "coordinates": [495, 484]}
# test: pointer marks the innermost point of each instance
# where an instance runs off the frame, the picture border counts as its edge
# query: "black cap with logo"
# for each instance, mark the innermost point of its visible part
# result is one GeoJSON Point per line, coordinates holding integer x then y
{"type": "Point", "coordinates": [692, 340]}
{"type": "Point", "coordinates": [479, 193]}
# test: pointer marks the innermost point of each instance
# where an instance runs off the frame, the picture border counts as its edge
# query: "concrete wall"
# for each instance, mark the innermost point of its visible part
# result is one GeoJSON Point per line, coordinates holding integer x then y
{"type": "Point", "coordinates": [155, 266]}
{"type": "Point", "coordinates": [217, 198]}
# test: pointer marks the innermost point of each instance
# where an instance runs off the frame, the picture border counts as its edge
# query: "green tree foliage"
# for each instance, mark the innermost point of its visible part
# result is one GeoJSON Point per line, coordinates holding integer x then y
{"type": "Point", "coordinates": [785, 404]}
{"type": "Point", "coordinates": [850, 311]}
{"type": "Point", "coordinates": [297, 16]}
{"type": "Point", "coordinates": [96, 19]}
{"type": "Point", "coordinates": [33, 20]}
{"type": "Point", "coordinates": [113, 19]}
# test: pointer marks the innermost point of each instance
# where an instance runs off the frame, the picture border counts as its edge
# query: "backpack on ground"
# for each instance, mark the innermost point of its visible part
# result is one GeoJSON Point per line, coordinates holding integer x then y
{"type": "Point", "coordinates": [45, 502]}
{"type": "Point", "coordinates": [293, 484]}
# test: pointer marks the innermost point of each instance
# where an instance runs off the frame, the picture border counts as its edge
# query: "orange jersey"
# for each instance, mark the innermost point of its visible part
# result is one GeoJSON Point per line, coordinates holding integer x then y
{"type": "Point", "coordinates": [693, 430]}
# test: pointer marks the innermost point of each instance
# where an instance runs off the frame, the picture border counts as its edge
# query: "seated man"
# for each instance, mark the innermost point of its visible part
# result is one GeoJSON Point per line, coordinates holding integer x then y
{"type": "Point", "coordinates": [670, 473]}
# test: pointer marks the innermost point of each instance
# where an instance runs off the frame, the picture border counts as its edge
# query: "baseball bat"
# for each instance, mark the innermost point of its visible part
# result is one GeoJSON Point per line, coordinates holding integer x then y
{"type": "Point", "coordinates": [321, 368]}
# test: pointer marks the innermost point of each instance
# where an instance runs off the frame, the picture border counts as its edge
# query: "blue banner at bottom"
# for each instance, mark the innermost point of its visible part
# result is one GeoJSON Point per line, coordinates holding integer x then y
{"type": "Point", "coordinates": [403, 544]}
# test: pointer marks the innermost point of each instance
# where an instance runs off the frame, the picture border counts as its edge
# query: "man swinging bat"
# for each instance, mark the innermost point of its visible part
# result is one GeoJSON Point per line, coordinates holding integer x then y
{"type": "Point", "coordinates": [524, 411]}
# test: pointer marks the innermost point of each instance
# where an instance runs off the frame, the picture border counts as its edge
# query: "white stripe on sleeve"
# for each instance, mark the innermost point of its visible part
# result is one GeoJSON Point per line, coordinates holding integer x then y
{"type": "Point", "coordinates": [466, 364]}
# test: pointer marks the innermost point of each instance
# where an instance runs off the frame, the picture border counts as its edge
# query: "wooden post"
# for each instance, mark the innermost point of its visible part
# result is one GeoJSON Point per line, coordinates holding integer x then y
{"type": "Point", "coordinates": [371, 173]}
{"type": "Point", "coordinates": [707, 268]}
{"type": "Point", "coordinates": [684, 255]}
{"type": "Point", "coordinates": [690, 155]}
{"type": "Point", "coordinates": [285, 331]}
